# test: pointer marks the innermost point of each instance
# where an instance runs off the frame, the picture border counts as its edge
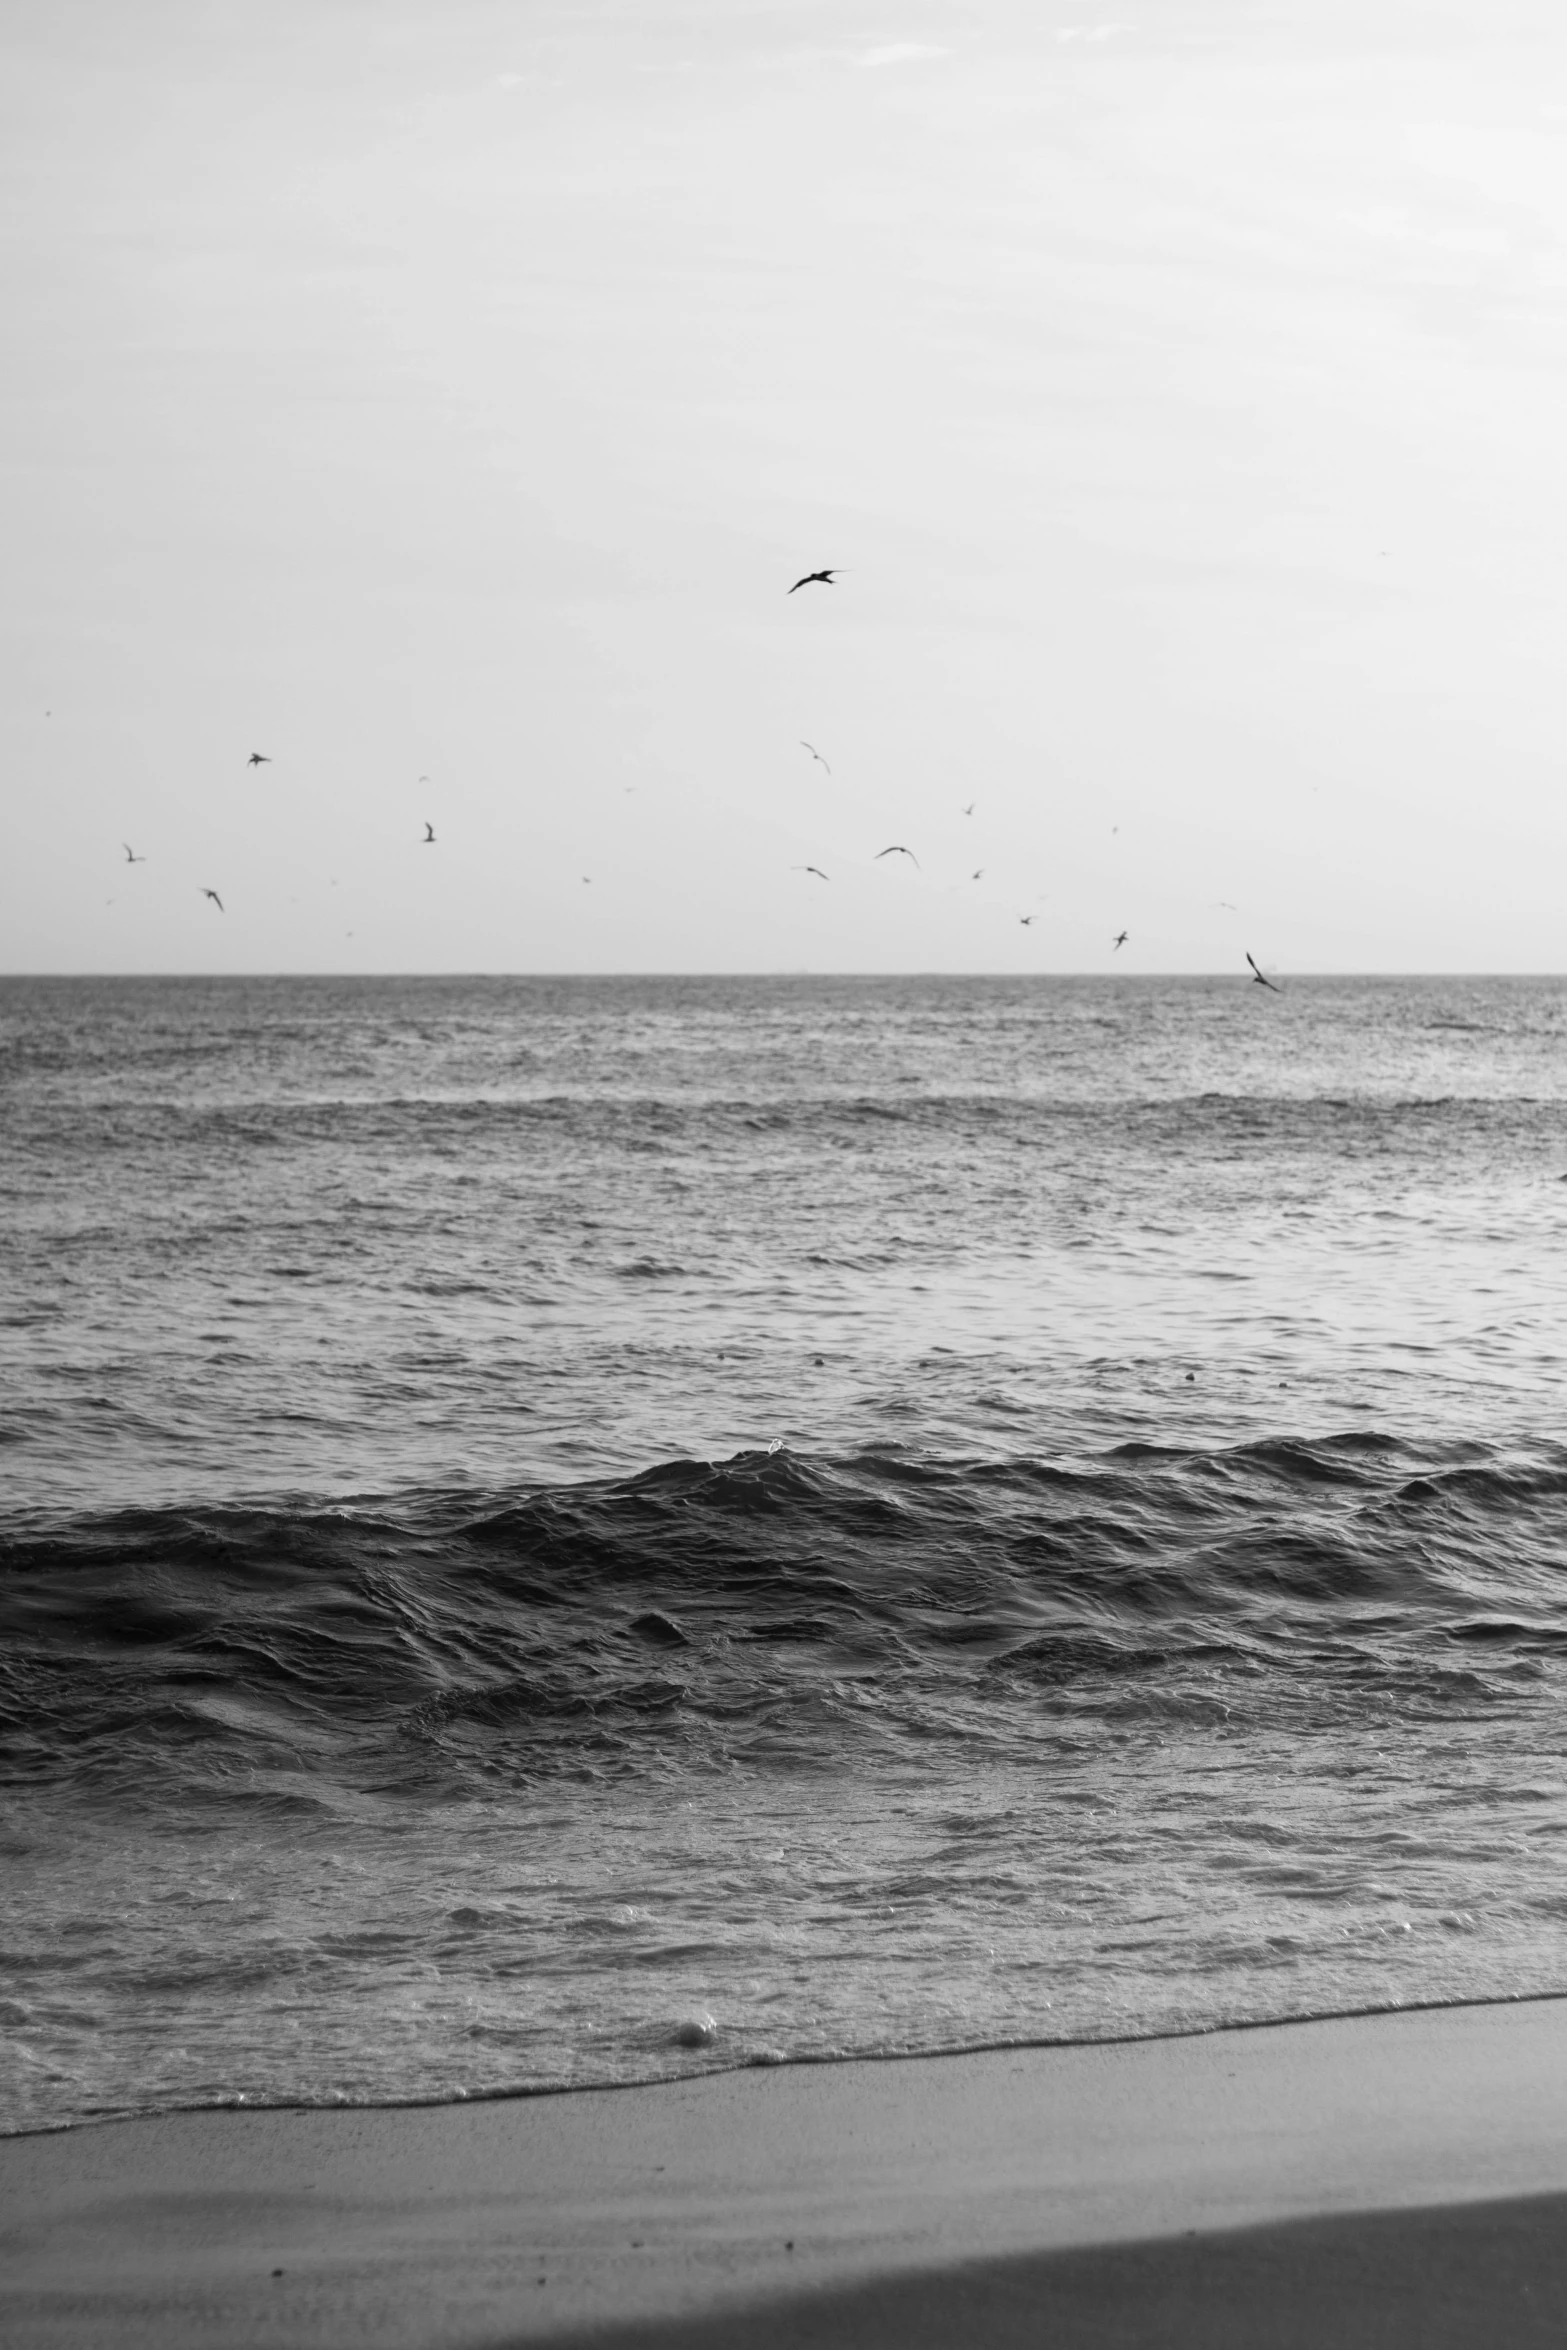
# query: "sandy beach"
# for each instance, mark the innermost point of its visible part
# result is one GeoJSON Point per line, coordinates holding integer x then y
{"type": "Point", "coordinates": [1391, 2179]}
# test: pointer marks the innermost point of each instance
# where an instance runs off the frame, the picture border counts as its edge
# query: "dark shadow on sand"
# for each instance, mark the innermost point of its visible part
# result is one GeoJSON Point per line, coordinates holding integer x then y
{"type": "Point", "coordinates": [1479, 2276]}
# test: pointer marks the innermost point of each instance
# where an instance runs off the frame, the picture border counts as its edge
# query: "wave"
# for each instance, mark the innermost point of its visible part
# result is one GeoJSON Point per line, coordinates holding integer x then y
{"type": "Point", "coordinates": [768, 1608]}
{"type": "Point", "coordinates": [648, 1123]}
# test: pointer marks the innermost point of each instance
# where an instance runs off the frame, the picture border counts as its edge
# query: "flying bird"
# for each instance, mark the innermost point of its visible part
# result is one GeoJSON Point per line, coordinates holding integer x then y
{"type": "Point", "coordinates": [897, 850]}
{"type": "Point", "coordinates": [213, 895]}
{"type": "Point", "coordinates": [258, 759]}
{"type": "Point", "coordinates": [1258, 979]}
{"type": "Point", "coordinates": [429, 836]}
{"type": "Point", "coordinates": [816, 869]}
{"type": "Point", "coordinates": [1119, 940]}
{"type": "Point", "coordinates": [826, 578]}
{"type": "Point", "coordinates": [131, 857]}
{"type": "Point", "coordinates": [978, 873]}
{"type": "Point", "coordinates": [1027, 919]}
{"type": "Point", "coordinates": [811, 747]}
{"type": "Point", "coordinates": [969, 810]}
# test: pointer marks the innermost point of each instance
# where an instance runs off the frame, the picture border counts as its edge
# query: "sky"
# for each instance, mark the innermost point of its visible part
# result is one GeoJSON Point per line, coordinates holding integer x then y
{"type": "Point", "coordinates": [440, 396]}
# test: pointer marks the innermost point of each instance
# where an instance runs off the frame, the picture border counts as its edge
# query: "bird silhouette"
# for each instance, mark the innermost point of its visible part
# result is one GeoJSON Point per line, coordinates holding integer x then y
{"type": "Point", "coordinates": [897, 850]}
{"type": "Point", "coordinates": [816, 869]}
{"type": "Point", "coordinates": [978, 873]}
{"type": "Point", "coordinates": [826, 578]}
{"type": "Point", "coordinates": [969, 810]}
{"type": "Point", "coordinates": [131, 857]}
{"type": "Point", "coordinates": [1258, 979]}
{"type": "Point", "coordinates": [811, 747]}
{"type": "Point", "coordinates": [213, 895]}
{"type": "Point", "coordinates": [1027, 920]}
{"type": "Point", "coordinates": [258, 759]}
{"type": "Point", "coordinates": [429, 837]}
{"type": "Point", "coordinates": [1119, 940]}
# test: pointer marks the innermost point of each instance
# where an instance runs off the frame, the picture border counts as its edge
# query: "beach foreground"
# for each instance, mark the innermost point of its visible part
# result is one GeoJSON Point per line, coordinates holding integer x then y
{"type": "Point", "coordinates": [1392, 2179]}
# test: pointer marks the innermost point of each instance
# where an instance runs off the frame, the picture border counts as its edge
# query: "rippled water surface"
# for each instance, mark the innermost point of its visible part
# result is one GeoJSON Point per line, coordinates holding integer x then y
{"type": "Point", "coordinates": [885, 1514]}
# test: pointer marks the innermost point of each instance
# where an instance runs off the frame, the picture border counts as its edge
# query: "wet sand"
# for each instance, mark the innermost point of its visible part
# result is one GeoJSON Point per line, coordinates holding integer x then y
{"type": "Point", "coordinates": [1390, 2180]}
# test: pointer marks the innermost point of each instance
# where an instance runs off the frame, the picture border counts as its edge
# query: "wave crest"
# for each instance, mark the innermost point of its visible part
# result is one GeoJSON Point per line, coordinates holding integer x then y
{"type": "Point", "coordinates": [795, 1602]}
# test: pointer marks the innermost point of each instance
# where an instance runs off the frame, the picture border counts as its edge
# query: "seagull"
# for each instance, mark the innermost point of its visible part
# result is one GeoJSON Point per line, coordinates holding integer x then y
{"type": "Point", "coordinates": [811, 747]}
{"type": "Point", "coordinates": [978, 873]}
{"type": "Point", "coordinates": [897, 850]}
{"type": "Point", "coordinates": [816, 869]}
{"type": "Point", "coordinates": [258, 759]}
{"type": "Point", "coordinates": [969, 810]}
{"type": "Point", "coordinates": [131, 857]}
{"type": "Point", "coordinates": [429, 836]}
{"type": "Point", "coordinates": [826, 578]}
{"type": "Point", "coordinates": [1119, 940]}
{"type": "Point", "coordinates": [213, 895]}
{"type": "Point", "coordinates": [1257, 978]}
{"type": "Point", "coordinates": [1026, 919]}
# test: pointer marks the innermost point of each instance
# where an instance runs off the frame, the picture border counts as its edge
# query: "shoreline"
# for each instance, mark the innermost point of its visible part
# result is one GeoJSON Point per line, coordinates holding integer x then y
{"type": "Point", "coordinates": [742, 2065]}
{"type": "Point", "coordinates": [856, 2196]}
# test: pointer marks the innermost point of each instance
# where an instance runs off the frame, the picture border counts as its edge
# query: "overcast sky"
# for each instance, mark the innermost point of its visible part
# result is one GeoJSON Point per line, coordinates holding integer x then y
{"type": "Point", "coordinates": [439, 396]}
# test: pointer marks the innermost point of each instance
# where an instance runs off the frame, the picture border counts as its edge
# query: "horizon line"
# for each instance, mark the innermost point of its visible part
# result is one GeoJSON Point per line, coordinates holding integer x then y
{"type": "Point", "coordinates": [1120, 972]}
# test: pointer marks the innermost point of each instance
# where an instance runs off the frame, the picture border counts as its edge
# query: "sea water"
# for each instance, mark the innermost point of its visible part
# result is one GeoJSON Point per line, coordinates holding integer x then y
{"type": "Point", "coordinates": [885, 1514]}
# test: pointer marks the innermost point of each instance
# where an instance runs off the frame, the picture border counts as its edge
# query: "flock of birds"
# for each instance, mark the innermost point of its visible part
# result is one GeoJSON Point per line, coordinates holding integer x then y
{"type": "Point", "coordinates": [823, 578]}
{"type": "Point", "coordinates": [826, 578]}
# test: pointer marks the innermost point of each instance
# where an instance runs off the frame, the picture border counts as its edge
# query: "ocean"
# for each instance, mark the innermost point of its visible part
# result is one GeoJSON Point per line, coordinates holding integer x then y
{"type": "Point", "coordinates": [564, 1531]}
